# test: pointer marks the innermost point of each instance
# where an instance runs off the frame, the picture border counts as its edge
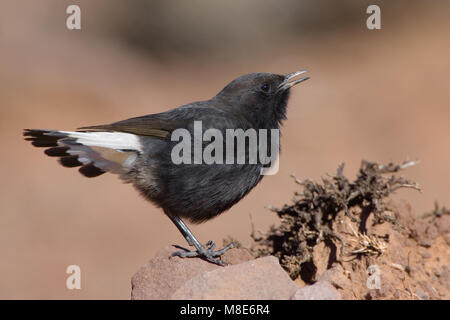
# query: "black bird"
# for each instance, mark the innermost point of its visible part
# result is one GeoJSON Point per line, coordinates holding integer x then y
{"type": "Point", "coordinates": [139, 150]}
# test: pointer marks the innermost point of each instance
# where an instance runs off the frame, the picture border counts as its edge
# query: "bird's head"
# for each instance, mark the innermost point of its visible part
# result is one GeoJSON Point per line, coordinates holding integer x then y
{"type": "Point", "coordinates": [261, 97]}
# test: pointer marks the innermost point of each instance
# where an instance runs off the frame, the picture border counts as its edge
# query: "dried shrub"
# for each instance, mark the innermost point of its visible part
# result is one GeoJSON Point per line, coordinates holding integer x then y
{"type": "Point", "coordinates": [311, 218]}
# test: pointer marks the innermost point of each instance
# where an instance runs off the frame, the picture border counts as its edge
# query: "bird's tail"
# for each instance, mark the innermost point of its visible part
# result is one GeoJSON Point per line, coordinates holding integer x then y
{"type": "Point", "coordinates": [95, 152]}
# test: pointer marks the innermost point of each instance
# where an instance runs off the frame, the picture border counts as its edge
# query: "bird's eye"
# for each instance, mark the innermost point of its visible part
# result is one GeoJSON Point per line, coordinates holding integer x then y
{"type": "Point", "coordinates": [265, 87]}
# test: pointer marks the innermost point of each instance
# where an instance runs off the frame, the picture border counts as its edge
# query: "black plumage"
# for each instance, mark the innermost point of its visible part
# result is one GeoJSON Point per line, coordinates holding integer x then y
{"type": "Point", "coordinates": [70, 161]}
{"type": "Point", "coordinates": [196, 192]}
{"type": "Point", "coordinates": [90, 171]}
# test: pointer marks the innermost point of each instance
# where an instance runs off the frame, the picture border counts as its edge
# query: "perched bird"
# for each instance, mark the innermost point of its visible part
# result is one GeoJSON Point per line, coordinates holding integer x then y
{"type": "Point", "coordinates": [140, 149]}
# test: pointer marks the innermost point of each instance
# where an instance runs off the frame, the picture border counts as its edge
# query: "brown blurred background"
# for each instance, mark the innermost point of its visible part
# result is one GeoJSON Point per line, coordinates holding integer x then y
{"type": "Point", "coordinates": [380, 95]}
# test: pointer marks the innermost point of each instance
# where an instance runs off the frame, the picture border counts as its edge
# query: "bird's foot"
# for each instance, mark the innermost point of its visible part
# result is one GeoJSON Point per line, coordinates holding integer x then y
{"type": "Point", "coordinates": [207, 253]}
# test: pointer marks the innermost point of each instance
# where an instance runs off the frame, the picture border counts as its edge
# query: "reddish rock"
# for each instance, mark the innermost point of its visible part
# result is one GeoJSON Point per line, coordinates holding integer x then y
{"type": "Point", "coordinates": [336, 277]}
{"type": "Point", "coordinates": [160, 277]}
{"type": "Point", "coordinates": [443, 226]}
{"type": "Point", "coordinates": [262, 278]}
{"type": "Point", "coordinates": [321, 290]}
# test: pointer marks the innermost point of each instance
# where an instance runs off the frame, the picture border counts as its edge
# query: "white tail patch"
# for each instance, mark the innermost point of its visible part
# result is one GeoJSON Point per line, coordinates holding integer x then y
{"type": "Point", "coordinates": [109, 151]}
{"type": "Point", "coordinates": [112, 140]}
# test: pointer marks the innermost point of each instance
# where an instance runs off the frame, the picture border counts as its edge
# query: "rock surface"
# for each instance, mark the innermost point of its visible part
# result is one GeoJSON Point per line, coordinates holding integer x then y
{"type": "Point", "coordinates": [245, 278]}
{"type": "Point", "coordinates": [321, 290]}
{"type": "Point", "coordinates": [262, 278]}
{"type": "Point", "coordinates": [160, 277]}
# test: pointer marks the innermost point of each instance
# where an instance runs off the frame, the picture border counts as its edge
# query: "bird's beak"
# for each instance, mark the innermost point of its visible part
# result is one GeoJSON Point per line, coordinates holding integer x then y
{"type": "Point", "coordinates": [289, 80]}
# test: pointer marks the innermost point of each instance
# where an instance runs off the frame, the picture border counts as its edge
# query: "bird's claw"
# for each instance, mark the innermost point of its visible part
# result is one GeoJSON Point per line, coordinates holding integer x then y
{"type": "Point", "coordinates": [207, 253]}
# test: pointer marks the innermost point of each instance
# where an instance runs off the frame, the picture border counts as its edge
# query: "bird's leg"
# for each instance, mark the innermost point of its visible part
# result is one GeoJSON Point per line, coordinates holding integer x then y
{"type": "Point", "coordinates": [206, 253]}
